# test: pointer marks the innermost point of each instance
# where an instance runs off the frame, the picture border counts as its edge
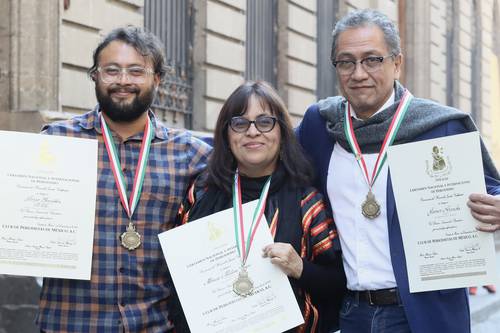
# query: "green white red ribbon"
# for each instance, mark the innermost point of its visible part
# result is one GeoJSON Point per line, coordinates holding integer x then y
{"type": "Point", "coordinates": [239, 227]}
{"type": "Point", "coordinates": [128, 204]}
{"type": "Point", "coordinates": [389, 138]}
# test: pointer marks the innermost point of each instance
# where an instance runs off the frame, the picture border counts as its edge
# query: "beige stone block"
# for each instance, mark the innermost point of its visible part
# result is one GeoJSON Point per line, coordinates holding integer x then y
{"type": "Point", "coordinates": [83, 12]}
{"type": "Point", "coordinates": [136, 3]}
{"type": "Point", "coordinates": [464, 89]}
{"type": "Point", "coordinates": [221, 84]}
{"type": "Point", "coordinates": [464, 39]}
{"type": "Point", "coordinates": [438, 74]}
{"type": "Point", "coordinates": [358, 4]}
{"type": "Point", "coordinates": [438, 39]}
{"type": "Point", "coordinates": [464, 55]}
{"type": "Point", "coordinates": [226, 21]}
{"type": "Point", "coordinates": [465, 22]}
{"type": "Point", "coordinates": [486, 98]}
{"type": "Point", "coordinates": [122, 16]}
{"type": "Point", "coordinates": [302, 21]}
{"type": "Point", "coordinates": [77, 90]}
{"type": "Point", "coordinates": [299, 100]}
{"type": "Point", "coordinates": [487, 9]}
{"type": "Point", "coordinates": [389, 8]}
{"type": "Point", "coordinates": [464, 104]}
{"type": "Point", "coordinates": [486, 128]}
{"type": "Point", "coordinates": [212, 111]}
{"type": "Point", "coordinates": [437, 19]}
{"type": "Point", "coordinates": [439, 6]}
{"type": "Point", "coordinates": [77, 45]}
{"type": "Point", "coordinates": [225, 53]}
{"type": "Point", "coordinates": [241, 4]}
{"type": "Point", "coordinates": [465, 73]}
{"type": "Point", "coordinates": [439, 61]}
{"type": "Point", "coordinates": [436, 53]}
{"type": "Point", "coordinates": [438, 92]}
{"type": "Point", "coordinates": [302, 48]}
{"type": "Point", "coordinates": [308, 4]}
{"type": "Point", "coordinates": [301, 75]}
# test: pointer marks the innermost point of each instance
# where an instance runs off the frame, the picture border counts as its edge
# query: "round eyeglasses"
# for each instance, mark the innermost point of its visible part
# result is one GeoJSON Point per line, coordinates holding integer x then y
{"type": "Point", "coordinates": [134, 74]}
{"type": "Point", "coordinates": [369, 64]}
{"type": "Point", "coordinates": [263, 124]}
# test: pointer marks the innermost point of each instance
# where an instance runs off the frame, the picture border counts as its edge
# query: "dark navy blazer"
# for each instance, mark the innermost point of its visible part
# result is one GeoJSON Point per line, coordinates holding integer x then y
{"type": "Point", "coordinates": [440, 311]}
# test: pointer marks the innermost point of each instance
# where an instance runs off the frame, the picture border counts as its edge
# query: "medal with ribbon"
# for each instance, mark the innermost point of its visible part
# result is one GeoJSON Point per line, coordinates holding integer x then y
{"type": "Point", "coordinates": [370, 208]}
{"type": "Point", "coordinates": [130, 239]}
{"type": "Point", "coordinates": [243, 286]}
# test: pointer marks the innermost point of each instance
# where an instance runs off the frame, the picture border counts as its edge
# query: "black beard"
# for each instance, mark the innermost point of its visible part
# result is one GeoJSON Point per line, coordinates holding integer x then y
{"type": "Point", "coordinates": [122, 112]}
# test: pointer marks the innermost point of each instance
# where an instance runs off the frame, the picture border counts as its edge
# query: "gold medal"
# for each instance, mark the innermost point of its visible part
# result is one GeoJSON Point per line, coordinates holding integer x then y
{"type": "Point", "coordinates": [131, 239]}
{"type": "Point", "coordinates": [243, 286]}
{"type": "Point", "coordinates": [370, 207]}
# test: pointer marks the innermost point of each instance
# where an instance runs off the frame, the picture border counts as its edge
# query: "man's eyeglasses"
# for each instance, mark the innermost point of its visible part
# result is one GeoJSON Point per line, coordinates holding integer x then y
{"type": "Point", "coordinates": [370, 64]}
{"type": "Point", "coordinates": [263, 124]}
{"type": "Point", "coordinates": [134, 74]}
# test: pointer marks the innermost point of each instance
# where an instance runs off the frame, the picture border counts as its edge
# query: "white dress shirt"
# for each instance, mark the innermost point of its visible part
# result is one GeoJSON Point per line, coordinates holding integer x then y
{"type": "Point", "coordinates": [365, 242]}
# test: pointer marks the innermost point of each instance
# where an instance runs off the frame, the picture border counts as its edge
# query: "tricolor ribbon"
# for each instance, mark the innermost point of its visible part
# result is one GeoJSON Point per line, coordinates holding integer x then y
{"type": "Point", "coordinates": [389, 138]}
{"type": "Point", "coordinates": [243, 245]}
{"type": "Point", "coordinates": [129, 204]}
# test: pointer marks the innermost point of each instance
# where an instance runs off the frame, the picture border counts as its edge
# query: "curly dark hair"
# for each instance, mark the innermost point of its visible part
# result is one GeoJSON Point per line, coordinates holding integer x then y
{"type": "Point", "coordinates": [142, 40]}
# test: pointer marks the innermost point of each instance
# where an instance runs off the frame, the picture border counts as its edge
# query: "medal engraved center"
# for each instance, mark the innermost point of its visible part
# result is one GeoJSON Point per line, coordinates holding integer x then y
{"type": "Point", "coordinates": [370, 208]}
{"type": "Point", "coordinates": [243, 286]}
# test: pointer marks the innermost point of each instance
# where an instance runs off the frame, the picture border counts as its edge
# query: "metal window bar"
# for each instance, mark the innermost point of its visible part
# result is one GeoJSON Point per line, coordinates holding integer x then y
{"type": "Point", "coordinates": [261, 40]}
{"type": "Point", "coordinates": [172, 22]}
{"type": "Point", "coordinates": [326, 79]}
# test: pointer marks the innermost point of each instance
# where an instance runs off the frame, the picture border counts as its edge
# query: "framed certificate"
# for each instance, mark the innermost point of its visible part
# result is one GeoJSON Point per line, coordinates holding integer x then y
{"type": "Point", "coordinates": [432, 181]}
{"type": "Point", "coordinates": [48, 198]}
{"type": "Point", "coordinates": [204, 263]}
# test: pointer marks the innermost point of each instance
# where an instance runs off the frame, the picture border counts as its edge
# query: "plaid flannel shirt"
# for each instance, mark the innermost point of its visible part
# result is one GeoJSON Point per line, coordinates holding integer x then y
{"type": "Point", "coordinates": [128, 289]}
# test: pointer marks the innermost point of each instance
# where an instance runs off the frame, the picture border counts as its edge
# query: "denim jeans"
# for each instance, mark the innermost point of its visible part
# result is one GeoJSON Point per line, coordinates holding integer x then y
{"type": "Point", "coordinates": [358, 316]}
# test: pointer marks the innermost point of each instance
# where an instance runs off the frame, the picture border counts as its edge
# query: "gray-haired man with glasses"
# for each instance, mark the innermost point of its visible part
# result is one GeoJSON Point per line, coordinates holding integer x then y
{"type": "Point", "coordinates": [367, 57]}
{"type": "Point", "coordinates": [129, 285]}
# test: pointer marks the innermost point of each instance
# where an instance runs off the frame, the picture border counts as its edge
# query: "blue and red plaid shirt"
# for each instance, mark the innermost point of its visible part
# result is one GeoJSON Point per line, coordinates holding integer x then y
{"type": "Point", "coordinates": [128, 290]}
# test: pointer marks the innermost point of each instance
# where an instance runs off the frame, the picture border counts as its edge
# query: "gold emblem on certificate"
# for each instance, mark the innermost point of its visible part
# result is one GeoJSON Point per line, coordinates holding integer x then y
{"type": "Point", "coordinates": [243, 286]}
{"type": "Point", "coordinates": [131, 239]}
{"type": "Point", "coordinates": [370, 207]}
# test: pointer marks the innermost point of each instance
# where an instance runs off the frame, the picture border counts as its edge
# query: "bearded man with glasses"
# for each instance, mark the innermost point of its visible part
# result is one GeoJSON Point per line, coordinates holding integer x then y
{"type": "Point", "coordinates": [143, 172]}
{"type": "Point", "coordinates": [366, 54]}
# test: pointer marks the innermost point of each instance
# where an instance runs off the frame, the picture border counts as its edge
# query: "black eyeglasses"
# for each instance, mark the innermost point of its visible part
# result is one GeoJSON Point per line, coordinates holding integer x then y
{"type": "Point", "coordinates": [369, 64]}
{"type": "Point", "coordinates": [263, 124]}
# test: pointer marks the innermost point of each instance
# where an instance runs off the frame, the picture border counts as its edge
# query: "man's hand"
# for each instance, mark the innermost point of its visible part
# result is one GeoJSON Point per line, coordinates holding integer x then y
{"type": "Point", "coordinates": [485, 208]}
{"type": "Point", "coordinates": [285, 257]}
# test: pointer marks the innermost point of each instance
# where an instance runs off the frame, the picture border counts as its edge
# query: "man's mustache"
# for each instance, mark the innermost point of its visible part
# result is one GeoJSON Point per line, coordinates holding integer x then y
{"type": "Point", "coordinates": [120, 88]}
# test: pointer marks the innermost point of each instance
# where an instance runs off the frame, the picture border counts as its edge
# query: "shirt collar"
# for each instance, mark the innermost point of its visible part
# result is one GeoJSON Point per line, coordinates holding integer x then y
{"type": "Point", "coordinates": [93, 122]}
{"type": "Point", "coordinates": [387, 103]}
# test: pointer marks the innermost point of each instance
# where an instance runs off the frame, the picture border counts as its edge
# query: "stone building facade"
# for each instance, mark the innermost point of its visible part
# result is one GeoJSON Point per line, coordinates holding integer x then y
{"type": "Point", "coordinates": [451, 55]}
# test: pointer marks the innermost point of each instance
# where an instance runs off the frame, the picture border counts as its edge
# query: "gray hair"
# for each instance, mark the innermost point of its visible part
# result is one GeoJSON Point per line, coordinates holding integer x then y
{"type": "Point", "coordinates": [363, 18]}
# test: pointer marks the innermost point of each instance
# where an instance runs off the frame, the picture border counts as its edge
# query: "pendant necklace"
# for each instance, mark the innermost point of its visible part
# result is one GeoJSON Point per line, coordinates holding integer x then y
{"type": "Point", "coordinates": [370, 208]}
{"type": "Point", "coordinates": [243, 286]}
{"type": "Point", "coordinates": [130, 239]}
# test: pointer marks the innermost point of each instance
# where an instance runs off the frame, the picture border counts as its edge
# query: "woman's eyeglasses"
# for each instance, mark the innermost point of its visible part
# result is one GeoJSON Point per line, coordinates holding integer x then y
{"type": "Point", "coordinates": [263, 124]}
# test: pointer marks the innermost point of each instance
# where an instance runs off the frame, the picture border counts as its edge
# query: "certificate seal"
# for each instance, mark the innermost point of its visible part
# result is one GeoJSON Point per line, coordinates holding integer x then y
{"type": "Point", "coordinates": [243, 286]}
{"type": "Point", "coordinates": [370, 207]}
{"type": "Point", "coordinates": [131, 239]}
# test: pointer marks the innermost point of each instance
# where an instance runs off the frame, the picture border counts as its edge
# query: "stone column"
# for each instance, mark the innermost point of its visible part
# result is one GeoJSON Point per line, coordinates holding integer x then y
{"type": "Point", "coordinates": [29, 62]}
{"type": "Point", "coordinates": [29, 78]}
